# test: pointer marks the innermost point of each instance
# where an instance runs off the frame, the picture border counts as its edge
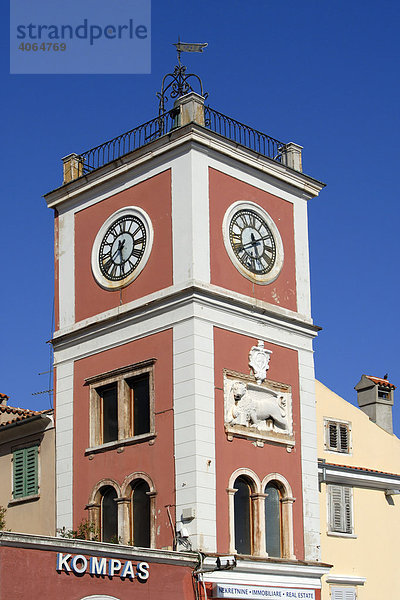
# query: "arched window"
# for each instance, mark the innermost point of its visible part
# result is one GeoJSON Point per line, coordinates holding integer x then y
{"type": "Point", "coordinates": [243, 516]}
{"type": "Point", "coordinates": [278, 499]}
{"type": "Point", "coordinates": [109, 515]}
{"type": "Point", "coordinates": [140, 514]}
{"type": "Point", "coordinates": [273, 520]}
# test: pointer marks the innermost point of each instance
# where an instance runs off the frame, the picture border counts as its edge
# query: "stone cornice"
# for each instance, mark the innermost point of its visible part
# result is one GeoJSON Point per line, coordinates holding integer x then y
{"type": "Point", "coordinates": [72, 546]}
{"type": "Point", "coordinates": [192, 135]}
{"type": "Point", "coordinates": [175, 296]}
{"type": "Point", "coordinates": [255, 570]}
{"type": "Point", "coordinates": [357, 477]}
{"type": "Point", "coordinates": [346, 579]}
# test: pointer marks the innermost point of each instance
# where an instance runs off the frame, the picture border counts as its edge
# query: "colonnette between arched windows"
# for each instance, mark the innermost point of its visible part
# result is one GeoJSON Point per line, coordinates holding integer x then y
{"type": "Point", "coordinates": [260, 515]}
{"type": "Point", "coordinates": [124, 513]}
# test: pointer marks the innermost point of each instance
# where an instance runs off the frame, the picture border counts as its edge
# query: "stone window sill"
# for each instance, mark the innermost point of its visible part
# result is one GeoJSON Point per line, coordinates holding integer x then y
{"type": "Point", "coordinates": [137, 439]}
{"type": "Point", "coordinates": [23, 500]}
{"type": "Point", "coordinates": [341, 535]}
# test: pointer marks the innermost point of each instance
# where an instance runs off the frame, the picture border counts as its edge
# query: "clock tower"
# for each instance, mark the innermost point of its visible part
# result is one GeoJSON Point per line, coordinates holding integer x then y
{"type": "Point", "coordinates": [184, 373]}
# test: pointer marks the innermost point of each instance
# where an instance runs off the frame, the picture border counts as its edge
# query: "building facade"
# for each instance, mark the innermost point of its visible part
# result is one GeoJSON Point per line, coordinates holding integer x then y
{"type": "Point", "coordinates": [184, 373]}
{"type": "Point", "coordinates": [27, 464]}
{"type": "Point", "coordinates": [359, 495]}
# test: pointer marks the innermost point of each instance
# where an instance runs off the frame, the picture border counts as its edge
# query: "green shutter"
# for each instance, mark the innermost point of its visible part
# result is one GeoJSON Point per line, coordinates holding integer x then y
{"type": "Point", "coordinates": [18, 464]}
{"type": "Point", "coordinates": [31, 471]}
{"type": "Point", "coordinates": [25, 462]}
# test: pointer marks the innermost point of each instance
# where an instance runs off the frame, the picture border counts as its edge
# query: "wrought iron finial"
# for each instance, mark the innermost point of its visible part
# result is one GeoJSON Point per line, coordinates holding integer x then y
{"type": "Point", "coordinates": [177, 84]}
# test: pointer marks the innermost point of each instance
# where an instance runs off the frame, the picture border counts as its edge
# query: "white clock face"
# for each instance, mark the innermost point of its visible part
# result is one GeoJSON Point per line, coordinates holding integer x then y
{"type": "Point", "coordinates": [122, 247]}
{"type": "Point", "coordinates": [253, 242]}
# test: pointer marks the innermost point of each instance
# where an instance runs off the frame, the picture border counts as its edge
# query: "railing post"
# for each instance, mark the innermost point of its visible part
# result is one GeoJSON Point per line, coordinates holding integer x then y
{"type": "Point", "coordinates": [291, 156]}
{"type": "Point", "coordinates": [72, 167]}
{"type": "Point", "coordinates": [191, 109]}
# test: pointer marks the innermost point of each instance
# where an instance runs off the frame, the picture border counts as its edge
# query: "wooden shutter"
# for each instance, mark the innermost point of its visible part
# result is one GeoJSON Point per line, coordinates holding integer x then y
{"type": "Point", "coordinates": [344, 438]}
{"type": "Point", "coordinates": [341, 520]}
{"type": "Point", "coordinates": [31, 471]}
{"type": "Point", "coordinates": [343, 593]}
{"type": "Point", "coordinates": [25, 472]}
{"type": "Point", "coordinates": [333, 436]}
{"type": "Point", "coordinates": [18, 473]}
{"type": "Point", "coordinates": [336, 519]}
{"type": "Point", "coordinates": [347, 516]}
{"type": "Point", "coordinates": [338, 437]}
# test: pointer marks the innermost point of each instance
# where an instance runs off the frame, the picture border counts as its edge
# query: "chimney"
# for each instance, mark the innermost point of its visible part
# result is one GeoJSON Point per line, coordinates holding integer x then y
{"type": "Point", "coordinates": [3, 400]}
{"type": "Point", "coordinates": [375, 398]}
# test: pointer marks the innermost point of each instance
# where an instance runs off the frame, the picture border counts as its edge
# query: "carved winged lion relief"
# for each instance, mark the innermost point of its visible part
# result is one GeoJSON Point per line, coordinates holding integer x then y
{"type": "Point", "coordinates": [257, 408]}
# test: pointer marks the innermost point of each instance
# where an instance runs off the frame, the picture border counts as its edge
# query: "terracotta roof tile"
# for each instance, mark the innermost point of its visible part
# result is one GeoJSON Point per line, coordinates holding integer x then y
{"type": "Point", "coordinates": [380, 381]}
{"type": "Point", "coordinates": [18, 414]}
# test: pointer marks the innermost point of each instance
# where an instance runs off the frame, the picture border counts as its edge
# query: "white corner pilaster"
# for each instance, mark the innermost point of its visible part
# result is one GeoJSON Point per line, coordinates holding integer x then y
{"type": "Point", "coordinates": [194, 429]}
{"type": "Point", "coordinates": [64, 441]}
{"type": "Point", "coordinates": [190, 218]}
{"type": "Point", "coordinates": [302, 257]}
{"type": "Point", "coordinates": [309, 463]}
{"type": "Point", "coordinates": [66, 268]}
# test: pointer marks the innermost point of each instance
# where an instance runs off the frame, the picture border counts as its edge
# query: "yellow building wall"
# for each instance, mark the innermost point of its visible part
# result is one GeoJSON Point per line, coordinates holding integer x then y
{"type": "Point", "coordinates": [30, 516]}
{"type": "Point", "coordinates": [374, 551]}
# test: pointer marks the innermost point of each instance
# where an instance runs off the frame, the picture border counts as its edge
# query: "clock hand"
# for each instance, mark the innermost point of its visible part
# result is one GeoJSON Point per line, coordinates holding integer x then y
{"type": "Point", "coordinates": [252, 243]}
{"type": "Point", "coordinates": [121, 244]}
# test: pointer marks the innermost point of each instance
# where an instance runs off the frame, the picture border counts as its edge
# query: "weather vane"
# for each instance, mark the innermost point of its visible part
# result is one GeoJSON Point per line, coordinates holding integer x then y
{"type": "Point", "coordinates": [184, 47]}
{"type": "Point", "coordinates": [177, 84]}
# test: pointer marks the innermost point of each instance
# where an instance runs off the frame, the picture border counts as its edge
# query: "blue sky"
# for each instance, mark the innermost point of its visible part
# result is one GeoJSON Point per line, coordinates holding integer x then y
{"type": "Point", "coordinates": [321, 73]}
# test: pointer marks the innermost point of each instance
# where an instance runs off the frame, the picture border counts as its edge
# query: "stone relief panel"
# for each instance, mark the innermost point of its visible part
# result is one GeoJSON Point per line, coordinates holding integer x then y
{"type": "Point", "coordinates": [259, 358]}
{"type": "Point", "coordinates": [259, 412]}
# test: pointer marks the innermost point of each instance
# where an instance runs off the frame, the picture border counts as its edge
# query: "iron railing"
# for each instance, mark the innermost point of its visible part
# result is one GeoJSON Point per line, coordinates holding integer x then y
{"type": "Point", "coordinates": [127, 142]}
{"type": "Point", "coordinates": [243, 134]}
{"type": "Point", "coordinates": [144, 134]}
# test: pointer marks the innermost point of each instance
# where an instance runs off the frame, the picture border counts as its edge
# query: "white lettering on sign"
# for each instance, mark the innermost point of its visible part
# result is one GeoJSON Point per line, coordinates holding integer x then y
{"type": "Point", "coordinates": [252, 591]}
{"type": "Point", "coordinates": [80, 564]}
{"type": "Point", "coordinates": [98, 566]}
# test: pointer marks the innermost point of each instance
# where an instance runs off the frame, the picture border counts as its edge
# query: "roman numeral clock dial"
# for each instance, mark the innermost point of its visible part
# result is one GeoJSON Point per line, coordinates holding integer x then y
{"type": "Point", "coordinates": [122, 248]}
{"type": "Point", "coordinates": [253, 242]}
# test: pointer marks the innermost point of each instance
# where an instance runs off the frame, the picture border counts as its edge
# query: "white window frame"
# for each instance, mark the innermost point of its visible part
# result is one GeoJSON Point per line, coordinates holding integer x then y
{"type": "Point", "coordinates": [338, 423]}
